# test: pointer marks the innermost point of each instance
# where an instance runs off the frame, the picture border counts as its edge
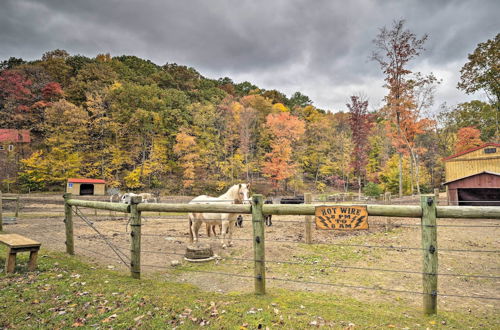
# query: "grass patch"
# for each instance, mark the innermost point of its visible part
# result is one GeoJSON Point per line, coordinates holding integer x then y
{"type": "Point", "coordinates": [67, 292]}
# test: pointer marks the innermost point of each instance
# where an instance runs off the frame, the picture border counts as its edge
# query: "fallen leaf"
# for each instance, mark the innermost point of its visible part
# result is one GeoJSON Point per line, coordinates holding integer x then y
{"type": "Point", "coordinates": [138, 318]}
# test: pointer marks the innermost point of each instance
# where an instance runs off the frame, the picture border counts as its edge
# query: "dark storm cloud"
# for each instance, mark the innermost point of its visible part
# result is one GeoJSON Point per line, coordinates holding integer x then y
{"type": "Point", "coordinates": [318, 47]}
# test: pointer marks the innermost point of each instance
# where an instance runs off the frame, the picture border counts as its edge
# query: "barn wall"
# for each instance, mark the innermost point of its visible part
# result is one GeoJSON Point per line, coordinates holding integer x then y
{"type": "Point", "coordinates": [99, 189]}
{"type": "Point", "coordinates": [483, 180]}
{"type": "Point", "coordinates": [452, 197]}
{"type": "Point", "coordinates": [75, 190]}
{"type": "Point", "coordinates": [471, 163]}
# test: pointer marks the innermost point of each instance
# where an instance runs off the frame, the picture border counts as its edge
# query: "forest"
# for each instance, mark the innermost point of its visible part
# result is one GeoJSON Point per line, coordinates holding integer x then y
{"type": "Point", "coordinates": [143, 126]}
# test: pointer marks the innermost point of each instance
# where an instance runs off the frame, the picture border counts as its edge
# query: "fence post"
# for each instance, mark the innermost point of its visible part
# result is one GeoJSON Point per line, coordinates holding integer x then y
{"type": "Point", "coordinates": [258, 244]}
{"type": "Point", "coordinates": [68, 222]}
{"type": "Point", "coordinates": [135, 233]}
{"type": "Point", "coordinates": [308, 218]}
{"type": "Point", "coordinates": [17, 207]}
{"type": "Point", "coordinates": [436, 193]}
{"type": "Point", "coordinates": [430, 255]}
{"type": "Point", "coordinates": [1, 209]}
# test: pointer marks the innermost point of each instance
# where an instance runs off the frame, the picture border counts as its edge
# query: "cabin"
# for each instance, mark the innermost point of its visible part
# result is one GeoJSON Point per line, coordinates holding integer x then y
{"type": "Point", "coordinates": [473, 176]}
{"type": "Point", "coordinates": [14, 146]}
{"type": "Point", "coordinates": [10, 139]}
{"type": "Point", "coordinates": [86, 187]}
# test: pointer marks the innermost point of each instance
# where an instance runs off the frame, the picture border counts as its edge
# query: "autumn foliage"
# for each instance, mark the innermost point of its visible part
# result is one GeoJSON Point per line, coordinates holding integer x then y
{"type": "Point", "coordinates": [285, 129]}
{"type": "Point", "coordinates": [139, 125]}
{"type": "Point", "coordinates": [467, 138]}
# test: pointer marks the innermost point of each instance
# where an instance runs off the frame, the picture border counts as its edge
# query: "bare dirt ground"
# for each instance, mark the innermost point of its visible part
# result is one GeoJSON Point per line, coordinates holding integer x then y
{"type": "Point", "coordinates": [334, 258]}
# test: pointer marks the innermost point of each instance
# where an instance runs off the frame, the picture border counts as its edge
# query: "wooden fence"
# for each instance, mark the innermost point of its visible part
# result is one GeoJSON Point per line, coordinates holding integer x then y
{"type": "Point", "coordinates": [427, 211]}
{"type": "Point", "coordinates": [8, 198]}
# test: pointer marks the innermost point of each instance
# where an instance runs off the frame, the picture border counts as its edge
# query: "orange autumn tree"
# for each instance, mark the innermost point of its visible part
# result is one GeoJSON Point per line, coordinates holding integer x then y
{"type": "Point", "coordinates": [285, 129]}
{"type": "Point", "coordinates": [467, 138]}
{"type": "Point", "coordinates": [184, 148]}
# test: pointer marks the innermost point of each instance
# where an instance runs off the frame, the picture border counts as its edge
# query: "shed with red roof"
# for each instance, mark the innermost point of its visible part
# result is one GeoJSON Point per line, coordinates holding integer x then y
{"type": "Point", "coordinates": [84, 187]}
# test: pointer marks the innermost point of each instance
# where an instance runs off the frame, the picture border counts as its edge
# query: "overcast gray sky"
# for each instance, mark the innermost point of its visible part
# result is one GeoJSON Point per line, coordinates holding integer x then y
{"type": "Point", "coordinates": [317, 47]}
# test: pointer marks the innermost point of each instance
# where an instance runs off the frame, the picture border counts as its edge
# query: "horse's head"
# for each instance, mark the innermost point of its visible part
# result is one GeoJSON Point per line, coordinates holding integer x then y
{"type": "Point", "coordinates": [125, 199]}
{"type": "Point", "coordinates": [243, 194]}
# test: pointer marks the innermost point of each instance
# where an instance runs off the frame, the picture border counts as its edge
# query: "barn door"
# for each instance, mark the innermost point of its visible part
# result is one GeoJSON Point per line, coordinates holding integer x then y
{"type": "Point", "coordinates": [479, 196]}
{"type": "Point", "coordinates": [86, 189]}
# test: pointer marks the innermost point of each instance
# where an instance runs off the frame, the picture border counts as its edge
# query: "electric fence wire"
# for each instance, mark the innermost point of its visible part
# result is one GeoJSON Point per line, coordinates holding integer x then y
{"type": "Point", "coordinates": [336, 244]}
{"type": "Point", "coordinates": [333, 266]}
{"type": "Point", "coordinates": [90, 224]}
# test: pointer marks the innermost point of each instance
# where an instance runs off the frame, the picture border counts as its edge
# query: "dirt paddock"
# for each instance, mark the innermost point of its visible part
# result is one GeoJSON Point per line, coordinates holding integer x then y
{"type": "Point", "coordinates": [334, 258]}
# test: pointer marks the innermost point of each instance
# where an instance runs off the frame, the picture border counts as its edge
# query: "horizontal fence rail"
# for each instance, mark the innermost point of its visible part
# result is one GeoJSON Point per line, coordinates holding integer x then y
{"type": "Point", "coordinates": [196, 208]}
{"type": "Point", "coordinates": [118, 207]}
{"type": "Point", "coordinates": [427, 211]}
{"type": "Point", "coordinates": [404, 211]}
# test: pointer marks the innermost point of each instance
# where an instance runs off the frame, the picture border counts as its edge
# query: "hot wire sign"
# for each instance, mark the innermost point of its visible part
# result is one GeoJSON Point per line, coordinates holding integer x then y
{"type": "Point", "coordinates": [343, 217]}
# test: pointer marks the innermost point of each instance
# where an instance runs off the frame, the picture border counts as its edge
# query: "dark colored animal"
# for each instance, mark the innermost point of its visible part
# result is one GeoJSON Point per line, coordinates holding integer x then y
{"type": "Point", "coordinates": [293, 200]}
{"type": "Point", "coordinates": [239, 221]}
{"type": "Point", "coordinates": [268, 217]}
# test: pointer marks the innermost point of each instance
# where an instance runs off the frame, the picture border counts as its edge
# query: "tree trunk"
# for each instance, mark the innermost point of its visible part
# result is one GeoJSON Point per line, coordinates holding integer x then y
{"type": "Point", "coordinates": [417, 174]}
{"type": "Point", "coordinates": [411, 173]}
{"type": "Point", "coordinates": [400, 168]}
{"type": "Point", "coordinates": [359, 187]}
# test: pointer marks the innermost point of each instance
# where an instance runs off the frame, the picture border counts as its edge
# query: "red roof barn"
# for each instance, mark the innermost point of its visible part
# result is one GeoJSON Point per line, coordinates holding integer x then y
{"type": "Point", "coordinates": [15, 135]}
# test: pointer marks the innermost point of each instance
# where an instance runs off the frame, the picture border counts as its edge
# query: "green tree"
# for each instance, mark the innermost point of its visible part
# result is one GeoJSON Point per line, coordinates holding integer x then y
{"type": "Point", "coordinates": [475, 113]}
{"type": "Point", "coordinates": [482, 72]}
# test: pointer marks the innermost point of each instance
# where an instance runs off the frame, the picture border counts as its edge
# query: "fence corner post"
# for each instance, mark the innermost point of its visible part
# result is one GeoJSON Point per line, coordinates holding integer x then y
{"type": "Point", "coordinates": [135, 233]}
{"type": "Point", "coordinates": [430, 253]}
{"type": "Point", "coordinates": [68, 222]}
{"type": "Point", "coordinates": [308, 219]}
{"type": "Point", "coordinates": [258, 244]}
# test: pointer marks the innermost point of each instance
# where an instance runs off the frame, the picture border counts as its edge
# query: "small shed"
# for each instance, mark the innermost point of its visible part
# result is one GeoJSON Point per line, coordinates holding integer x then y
{"type": "Point", "coordinates": [480, 189]}
{"type": "Point", "coordinates": [84, 187]}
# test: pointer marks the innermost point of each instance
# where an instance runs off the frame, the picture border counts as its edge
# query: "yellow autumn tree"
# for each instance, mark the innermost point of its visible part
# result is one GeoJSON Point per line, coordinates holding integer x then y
{"type": "Point", "coordinates": [184, 148]}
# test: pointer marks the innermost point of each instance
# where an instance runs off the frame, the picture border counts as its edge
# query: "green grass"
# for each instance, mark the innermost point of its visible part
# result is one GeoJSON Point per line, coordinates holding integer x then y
{"type": "Point", "coordinates": [66, 291]}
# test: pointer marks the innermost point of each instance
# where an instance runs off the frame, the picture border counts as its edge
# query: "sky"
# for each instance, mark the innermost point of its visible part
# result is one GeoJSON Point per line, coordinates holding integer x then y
{"type": "Point", "coordinates": [320, 48]}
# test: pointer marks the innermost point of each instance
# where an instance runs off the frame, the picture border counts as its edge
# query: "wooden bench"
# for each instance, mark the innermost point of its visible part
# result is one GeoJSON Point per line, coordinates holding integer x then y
{"type": "Point", "coordinates": [17, 243]}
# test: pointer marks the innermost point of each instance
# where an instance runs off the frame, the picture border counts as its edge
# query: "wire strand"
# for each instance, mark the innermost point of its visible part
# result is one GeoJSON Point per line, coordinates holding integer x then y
{"type": "Point", "coordinates": [335, 266]}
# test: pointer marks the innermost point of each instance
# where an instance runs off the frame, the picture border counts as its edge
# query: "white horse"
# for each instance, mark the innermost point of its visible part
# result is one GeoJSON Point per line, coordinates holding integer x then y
{"type": "Point", "coordinates": [146, 197]}
{"type": "Point", "coordinates": [237, 194]}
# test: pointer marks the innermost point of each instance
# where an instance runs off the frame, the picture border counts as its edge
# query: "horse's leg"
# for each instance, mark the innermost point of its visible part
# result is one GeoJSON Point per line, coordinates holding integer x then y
{"type": "Point", "coordinates": [230, 242]}
{"type": "Point", "coordinates": [223, 232]}
{"type": "Point", "coordinates": [191, 236]}
{"type": "Point", "coordinates": [196, 229]}
{"type": "Point", "coordinates": [208, 227]}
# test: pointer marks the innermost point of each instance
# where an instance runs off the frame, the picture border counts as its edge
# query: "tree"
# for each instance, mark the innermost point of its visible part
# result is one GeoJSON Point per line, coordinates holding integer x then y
{"type": "Point", "coordinates": [15, 97]}
{"type": "Point", "coordinates": [285, 129]}
{"type": "Point", "coordinates": [477, 114]}
{"type": "Point", "coordinates": [467, 137]}
{"type": "Point", "coordinates": [11, 63]}
{"type": "Point", "coordinates": [482, 71]}
{"type": "Point", "coordinates": [54, 63]}
{"type": "Point", "coordinates": [299, 99]}
{"type": "Point", "coordinates": [185, 149]}
{"type": "Point", "coordinates": [395, 48]}
{"type": "Point", "coordinates": [360, 126]}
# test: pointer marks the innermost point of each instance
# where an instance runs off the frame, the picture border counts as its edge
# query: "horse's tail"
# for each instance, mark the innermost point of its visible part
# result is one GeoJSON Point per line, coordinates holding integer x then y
{"type": "Point", "coordinates": [191, 235]}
